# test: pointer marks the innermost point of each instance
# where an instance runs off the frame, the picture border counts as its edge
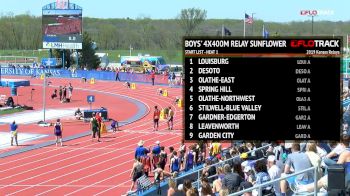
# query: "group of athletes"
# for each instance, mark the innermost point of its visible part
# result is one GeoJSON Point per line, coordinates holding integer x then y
{"type": "Point", "coordinates": [96, 124]}
{"type": "Point", "coordinates": [168, 114]}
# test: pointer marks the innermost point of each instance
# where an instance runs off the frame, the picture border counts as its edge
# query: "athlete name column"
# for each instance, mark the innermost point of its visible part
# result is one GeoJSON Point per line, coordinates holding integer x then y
{"type": "Point", "coordinates": [214, 87]}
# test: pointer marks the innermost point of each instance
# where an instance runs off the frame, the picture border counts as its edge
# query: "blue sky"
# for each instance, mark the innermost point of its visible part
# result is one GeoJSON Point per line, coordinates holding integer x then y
{"type": "Point", "coordinates": [267, 10]}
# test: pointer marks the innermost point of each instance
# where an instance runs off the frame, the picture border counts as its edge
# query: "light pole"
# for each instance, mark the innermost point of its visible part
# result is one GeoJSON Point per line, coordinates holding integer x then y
{"type": "Point", "coordinates": [130, 48]}
{"type": "Point", "coordinates": [253, 24]}
{"type": "Point", "coordinates": [311, 13]}
{"type": "Point", "coordinates": [77, 57]}
{"type": "Point", "coordinates": [312, 24]}
{"type": "Point", "coordinates": [44, 96]}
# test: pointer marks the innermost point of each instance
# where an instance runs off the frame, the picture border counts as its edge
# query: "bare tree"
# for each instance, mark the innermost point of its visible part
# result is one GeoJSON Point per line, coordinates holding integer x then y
{"type": "Point", "coordinates": [189, 19]}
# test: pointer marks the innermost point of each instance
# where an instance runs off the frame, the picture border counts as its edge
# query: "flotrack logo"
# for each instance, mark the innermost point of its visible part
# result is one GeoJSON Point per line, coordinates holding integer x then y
{"type": "Point", "coordinates": [316, 12]}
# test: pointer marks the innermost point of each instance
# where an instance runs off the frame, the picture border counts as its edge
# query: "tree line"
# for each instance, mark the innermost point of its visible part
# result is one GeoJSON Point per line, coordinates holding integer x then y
{"type": "Point", "coordinates": [23, 32]}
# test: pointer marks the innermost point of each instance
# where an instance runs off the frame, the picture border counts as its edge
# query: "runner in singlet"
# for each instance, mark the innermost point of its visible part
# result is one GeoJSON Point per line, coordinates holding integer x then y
{"type": "Point", "coordinates": [146, 162]}
{"type": "Point", "coordinates": [170, 119]}
{"type": "Point", "coordinates": [136, 172]}
{"type": "Point", "coordinates": [189, 160]}
{"type": "Point", "coordinates": [58, 131]}
{"type": "Point", "coordinates": [175, 163]}
{"type": "Point", "coordinates": [156, 116]}
{"type": "Point", "coordinates": [182, 151]}
{"type": "Point", "coordinates": [162, 157]}
{"type": "Point", "coordinates": [94, 128]}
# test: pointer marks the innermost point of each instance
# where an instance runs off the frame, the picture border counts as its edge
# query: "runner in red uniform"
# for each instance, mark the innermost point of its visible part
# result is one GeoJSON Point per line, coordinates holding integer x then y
{"type": "Point", "coordinates": [156, 116]}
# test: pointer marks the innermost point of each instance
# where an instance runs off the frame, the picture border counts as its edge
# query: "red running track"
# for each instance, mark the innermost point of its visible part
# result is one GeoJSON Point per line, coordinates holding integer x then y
{"type": "Point", "coordinates": [119, 108]}
{"type": "Point", "coordinates": [83, 167]}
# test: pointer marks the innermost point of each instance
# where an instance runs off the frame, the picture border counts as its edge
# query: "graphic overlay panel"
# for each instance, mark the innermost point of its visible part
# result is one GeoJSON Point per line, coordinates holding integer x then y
{"type": "Point", "coordinates": [262, 89]}
{"type": "Point", "coordinates": [62, 28]}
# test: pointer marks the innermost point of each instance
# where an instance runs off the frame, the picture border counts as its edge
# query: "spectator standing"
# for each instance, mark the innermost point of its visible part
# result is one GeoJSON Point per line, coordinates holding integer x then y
{"type": "Point", "coordinates": [60, 93]}
{"type": "Point", "coordinates": [140, 150]}
{"type": "Point", "coordinates": [153, 76]}
{"type": "Point", "coordinates": [169, 79]}
{"type": "Point", "coordinates": [64, 95]}
{"type": "Point", "coordinates": [13, 132]}
{"type": "Point", "coordinates": [182, 79]}
{"type": "Point", "coordinates": [173, 77]}
{"type": "Point", "coordinates": [156, 149]}
{"type": "Point", "coordinates": [70, 91]}
{"type": "Point", "coordinates": [117, 74]}
{"type": "Point", "coordinates": [274, 173]}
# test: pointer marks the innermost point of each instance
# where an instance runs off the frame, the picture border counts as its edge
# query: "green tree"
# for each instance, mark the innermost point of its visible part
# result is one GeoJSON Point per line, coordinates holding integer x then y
{"type": "Point", "coordinates": [67, 56]}
{"type": "Point", "coordinates": [190, 19]}
{"type": "Point", "coordinates": [87, 56]}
